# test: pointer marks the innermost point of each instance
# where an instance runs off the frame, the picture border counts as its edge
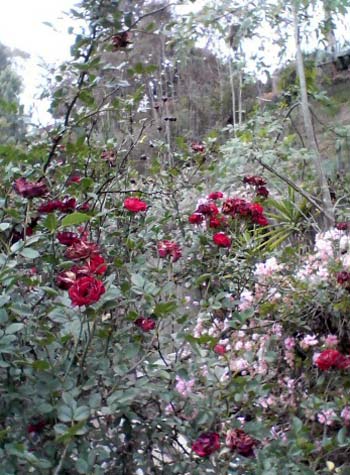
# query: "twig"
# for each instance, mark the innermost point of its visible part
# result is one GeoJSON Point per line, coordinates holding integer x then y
{"type": "Point", "coordinates": [60, 464]}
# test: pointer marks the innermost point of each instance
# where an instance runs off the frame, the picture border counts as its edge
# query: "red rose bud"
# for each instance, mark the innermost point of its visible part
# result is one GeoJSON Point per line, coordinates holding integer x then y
{"type": "Point", "coordinates": [29, 189]}
{"type": "Point", "coordinates": [215, 195]}
{"type": "Point", "coordinates": [146, 324]}
{"type": "Point", "coordinates": [169, 248]}
{"type": "Point", "coordinates": [238, 440]}
{"type": "Point", "coordinates": [135, 205]}
{"type": "Point", "coordinates": [86, 291]}
{"type": "Point", "coordinates": [220, 349]}
{"type": "Point", "coordinates": [196, 218]}
{"type": "Point", "coordinates": [67, 238]}
{"type": "Point", "coordinates": [206, 444]}
{"type": "Point", "coordinates": [222, 240]}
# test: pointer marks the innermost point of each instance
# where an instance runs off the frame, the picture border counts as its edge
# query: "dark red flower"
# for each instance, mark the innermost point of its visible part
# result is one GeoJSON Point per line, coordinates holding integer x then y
{"type": "Point", "coordinates": [238, 440]}
{"type": "Point", "coordinates": [332, 359]}
{"type": "Point", "coordinates": [86, 291]}
{"type": "Point", "coordinates": [262, 191]}
{"type": "Point", "coordinates": [146, 324]}
{"type": "Point", "coordinates": [343, 277]}
{"type": "Point", "coordinates": [254, 180]}
{"type": "Point", "coordinates": [220, 349]}
{"type": "Point", "coordinates": [84, 207]}
{"type": "Point", "coordinates": [50, 206]}
{"type": "Point", "coordinates": [196, 218]}
{"type": "Point", "coordinates": [135, 205]}
{"type": "Point", "coordinates": [68, 205]}
{"type": "Point", "coordinates": [260, 219]}
{"type": "Point", "coordinates": [222, 240]}
{"type": "Point", "coordinates": [121, 40]}
{"type": "Point", "coordinates": [198, 147]}
{"type": "Point", "coordinates": [67, 238]}
{"type": "Point", "coordinates": [29, 189]}
{"type": "Point", "coordinates": [217, 221]}
{"type": "Point", "coordinates": [65, 279]}
{"type": "Point", "coordinates": [235, 206]}
{"type": "Point", "coordinates": [36, 426]}
{"type": "Point", "coordinates": [74, 179]}
{"type": "Point", "coordinates": [206, 444]}
{"type": "Point", "coordinates": [215, 195]}
{"type": "Point", "coordinates": [81, 250]}
{"type": "Point", "coordinates": [209, 209]}
{"type": "Point", "coordinates": [342, 226]}
{"type": "Point", "coordinates": [96, 264]}
{"type": "Point", "coordinates": [169, 248]}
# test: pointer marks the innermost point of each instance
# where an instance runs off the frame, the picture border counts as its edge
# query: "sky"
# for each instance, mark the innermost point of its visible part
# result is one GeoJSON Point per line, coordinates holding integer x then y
{"type": "Point", "coordinates": [22, 26]}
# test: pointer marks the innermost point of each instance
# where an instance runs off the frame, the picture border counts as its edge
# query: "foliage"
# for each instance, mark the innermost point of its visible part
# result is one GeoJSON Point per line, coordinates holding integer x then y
{"type": "Point", "coordinates": [189, 319]}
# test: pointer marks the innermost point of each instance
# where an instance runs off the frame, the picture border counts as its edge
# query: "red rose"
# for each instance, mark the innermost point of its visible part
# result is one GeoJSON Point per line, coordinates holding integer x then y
{"type": "Point", "coordinates": [96, 264]}
{"type": "Point", "coordinates": [29, 189]}
{"type": "Point", "coordinates": [331, 359]}
{"type": "Point", "coordinates": [237, 439]}
{"type": "Point", "coordinates": [260, 219]}
{"type": "Point", "coordinates": [146, 324]}
{"type": "Point", "coordinates": [220, 349]}
{"type": "Point", "coordinates": [169, 248]}
{"type": "Point", "coordinates": [81, 250]}
{"type": "Point", "coordinates": [135, 205]}
{"type": "Point", "coordinates": [222, 240]}
{"type": "Point", "coordinates": [196, 218]}
{"type": "Point", "coordinates": [206, 444]}
{"type": "Point", "coordinates": [86, 291]}
{"type": "Point", "coordinates": [67, 238]}
{"type": "Point", "coordinates": [215, 195]}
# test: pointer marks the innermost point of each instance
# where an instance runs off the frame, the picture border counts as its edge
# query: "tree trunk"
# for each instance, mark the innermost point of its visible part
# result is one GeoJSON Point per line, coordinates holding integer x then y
{"type": "Point", "coordinates": [233, 97]}
{"type": "Point", "coordinates": [309, 130]}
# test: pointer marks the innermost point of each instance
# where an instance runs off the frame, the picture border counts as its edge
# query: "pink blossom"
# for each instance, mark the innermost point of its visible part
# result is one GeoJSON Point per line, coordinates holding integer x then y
{"type": "Point", "coordinates": [345, 414]}
{"type": "Point", "coordinates": [331, 340]}
{"type": "Point", "coordinates": [289, 343]}
{"type": "Point", "coordinates": [308, 341]}
{"type": "Point", "coordinates": [327, 417]}
{"type": "Point", "coordinates": [183, 386]}
{"type": "Point", "coordinates": [267, 268]}
{"type": "Point", "coordinates": [246, 300]}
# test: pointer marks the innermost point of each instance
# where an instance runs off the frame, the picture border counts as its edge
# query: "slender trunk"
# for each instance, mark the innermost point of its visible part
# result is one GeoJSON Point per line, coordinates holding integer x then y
{"type": "Point", "coordinates": [233, 97]}
{"type": "Point", "coordinates": [310, 134]}
{"type": "Point", "coordinates": [240, 112]}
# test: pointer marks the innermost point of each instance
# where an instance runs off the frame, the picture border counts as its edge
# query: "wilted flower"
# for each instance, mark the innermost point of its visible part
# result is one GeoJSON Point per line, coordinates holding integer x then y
{"type": "Point", "coordinates": [29, 189]}
{"type": "Point", "coordinates": [198, 147]}
{"type": "Point", "coordinates": [238, 440]}
{"type": "Point", "coordinates": [254, 180]}
{"type": "Point", "coordinates": [169, 248]}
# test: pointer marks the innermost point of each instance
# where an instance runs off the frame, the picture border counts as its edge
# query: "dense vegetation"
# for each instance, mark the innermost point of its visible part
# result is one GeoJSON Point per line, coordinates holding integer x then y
{"type": "Point", "coordinates": [174, 265]}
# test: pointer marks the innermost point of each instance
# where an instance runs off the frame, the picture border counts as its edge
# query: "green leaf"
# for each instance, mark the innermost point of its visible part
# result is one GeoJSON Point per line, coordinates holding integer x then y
{"type": "Point", "coordinates": [14, 328]}
{"type": "Point", "coordinates": [75, 219]}
{"type": "Point", "coordinates": [81, 413]}
{"type": "Point", "coordinates": [164, 308]}
{"type": "Point", "coordinates": [29, 253]}
{"type": "Point", "coordinates": [51, 222]}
